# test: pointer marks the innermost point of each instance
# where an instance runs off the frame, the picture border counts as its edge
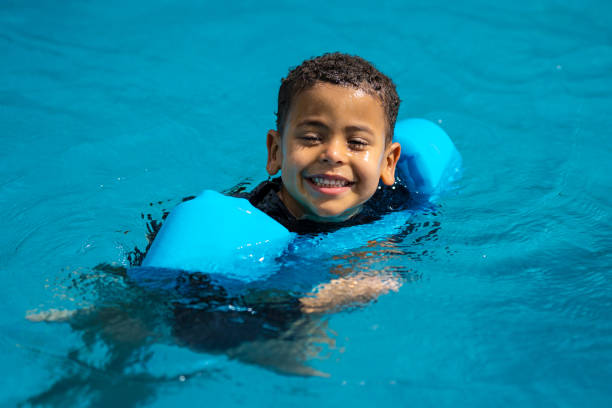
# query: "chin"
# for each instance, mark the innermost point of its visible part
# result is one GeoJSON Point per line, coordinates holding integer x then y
{"type": "Point", "coordinates": [333, 215]}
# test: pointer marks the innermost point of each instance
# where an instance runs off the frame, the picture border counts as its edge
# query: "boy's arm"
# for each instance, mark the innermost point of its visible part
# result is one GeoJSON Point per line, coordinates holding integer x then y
{"type": "Point", "coordinates": [350, 288]}
{"type": "Point", "coordinates": [349, 291]}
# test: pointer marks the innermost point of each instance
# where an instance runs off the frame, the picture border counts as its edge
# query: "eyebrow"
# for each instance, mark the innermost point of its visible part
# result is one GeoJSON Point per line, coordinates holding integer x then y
{"type": "Point", "coordinates": [356, 128]}
{"type": "Point", "coordinates": [319, 124]}
{"type": "Point", "coordinates": [312, 122]}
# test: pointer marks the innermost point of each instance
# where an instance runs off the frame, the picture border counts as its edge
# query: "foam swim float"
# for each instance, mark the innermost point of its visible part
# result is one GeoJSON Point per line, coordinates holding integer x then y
{"type": "Point", "coordinates": [217, 233]}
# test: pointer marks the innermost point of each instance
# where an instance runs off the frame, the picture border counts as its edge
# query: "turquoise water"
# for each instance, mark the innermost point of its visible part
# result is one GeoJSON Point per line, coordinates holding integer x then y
{"type": "Point", "coordinates": [106, 107]}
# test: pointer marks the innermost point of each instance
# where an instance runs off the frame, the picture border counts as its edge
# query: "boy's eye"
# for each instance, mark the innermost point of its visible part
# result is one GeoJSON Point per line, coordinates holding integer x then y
{"type": "Point", "coordinates": [310, 138]}
{"type": "Point", "coordinates": [358, 144]}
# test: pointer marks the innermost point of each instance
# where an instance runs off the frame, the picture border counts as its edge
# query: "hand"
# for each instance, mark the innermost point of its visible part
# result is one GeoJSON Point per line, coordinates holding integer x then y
{"type": "Point", "coordinates": [51, 315]}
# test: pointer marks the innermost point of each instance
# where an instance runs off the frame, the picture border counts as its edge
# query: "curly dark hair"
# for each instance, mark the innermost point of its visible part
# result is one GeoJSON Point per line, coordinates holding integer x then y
{"type": "Point", "coordinates": [340, 69]}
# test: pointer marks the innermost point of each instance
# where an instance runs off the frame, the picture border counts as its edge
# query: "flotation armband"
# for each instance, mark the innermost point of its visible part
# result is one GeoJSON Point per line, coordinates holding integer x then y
{"type": "Point", "coordinates": [215, 231]}
{"type": "Point", "coordinates": [429, 161]}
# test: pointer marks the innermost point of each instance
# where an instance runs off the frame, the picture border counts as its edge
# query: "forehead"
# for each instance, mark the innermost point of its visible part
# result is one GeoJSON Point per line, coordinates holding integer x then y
{"type": "Point", "coordinates": [341, 105]}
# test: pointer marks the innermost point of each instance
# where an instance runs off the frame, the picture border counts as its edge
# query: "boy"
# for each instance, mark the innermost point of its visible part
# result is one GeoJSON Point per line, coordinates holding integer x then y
{"type": "Point", "coordinates": [333, 144]}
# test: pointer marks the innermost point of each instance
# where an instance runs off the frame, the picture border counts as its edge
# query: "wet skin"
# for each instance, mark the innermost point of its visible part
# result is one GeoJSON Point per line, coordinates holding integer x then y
{"type": "Point", "coordinates": [332, 153]}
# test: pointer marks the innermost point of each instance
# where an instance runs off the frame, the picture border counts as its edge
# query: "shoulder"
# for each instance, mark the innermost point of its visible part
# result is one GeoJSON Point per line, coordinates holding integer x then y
{"type": "Point", "coordinates": [265, 198]}
{"type": "Point", "coordinates": [390, 198]}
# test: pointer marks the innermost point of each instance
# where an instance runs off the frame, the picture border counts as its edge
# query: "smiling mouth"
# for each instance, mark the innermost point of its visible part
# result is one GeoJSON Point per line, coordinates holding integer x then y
{"type": "Point", "coordinates": [330, 181]}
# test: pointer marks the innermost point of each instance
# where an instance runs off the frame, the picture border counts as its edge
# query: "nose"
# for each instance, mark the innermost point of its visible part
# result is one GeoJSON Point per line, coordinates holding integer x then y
{"type": "Point", "coordinates": [334, 152]}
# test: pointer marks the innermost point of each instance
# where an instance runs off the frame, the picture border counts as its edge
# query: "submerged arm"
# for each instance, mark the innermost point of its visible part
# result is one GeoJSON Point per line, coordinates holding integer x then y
{"type": "Point", "coordinates": [353, 288]}
{"type": "Point", "coordinates": [349, 291]}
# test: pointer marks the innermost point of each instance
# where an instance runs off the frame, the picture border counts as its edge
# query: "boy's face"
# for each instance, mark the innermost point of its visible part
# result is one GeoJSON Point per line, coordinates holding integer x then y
{"type": "Point", "coordinates": [332, 153]}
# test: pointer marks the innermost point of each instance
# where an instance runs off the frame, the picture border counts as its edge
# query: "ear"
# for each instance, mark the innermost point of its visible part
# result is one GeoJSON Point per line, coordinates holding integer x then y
{"type": "Point", "coordinates": [275, 156]}
{"type": "Point", "coordinates": [392, 155]}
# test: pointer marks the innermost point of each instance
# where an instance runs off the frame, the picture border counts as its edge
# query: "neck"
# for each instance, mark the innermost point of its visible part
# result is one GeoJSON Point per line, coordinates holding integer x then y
{"type": "Point", "coordinates": [298, 211]}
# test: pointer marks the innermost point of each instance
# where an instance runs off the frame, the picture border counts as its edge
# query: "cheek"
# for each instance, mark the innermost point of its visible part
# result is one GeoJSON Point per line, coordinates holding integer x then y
{"type": "Point", "coordinates": [369, 169]}
{"type": "Point", "coordinates": [296, 161]}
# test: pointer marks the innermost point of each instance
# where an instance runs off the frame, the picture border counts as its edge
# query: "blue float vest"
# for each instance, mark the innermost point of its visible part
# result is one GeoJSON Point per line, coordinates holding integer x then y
{"type": "Point", "coordinates": [215, 233]}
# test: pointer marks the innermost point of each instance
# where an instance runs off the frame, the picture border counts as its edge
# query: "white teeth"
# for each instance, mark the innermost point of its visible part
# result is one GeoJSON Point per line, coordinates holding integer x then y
{"type": "Point", "coordinates": [323, 182]}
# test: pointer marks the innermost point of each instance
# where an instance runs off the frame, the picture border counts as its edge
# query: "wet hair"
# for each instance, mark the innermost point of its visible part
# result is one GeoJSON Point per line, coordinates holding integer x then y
{"type": "Point", "coordinates": [339, 69]}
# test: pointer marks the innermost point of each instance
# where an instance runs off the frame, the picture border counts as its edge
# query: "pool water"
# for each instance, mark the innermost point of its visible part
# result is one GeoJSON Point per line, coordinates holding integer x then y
{"type": "Point", "coordinates": [110, 110]}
